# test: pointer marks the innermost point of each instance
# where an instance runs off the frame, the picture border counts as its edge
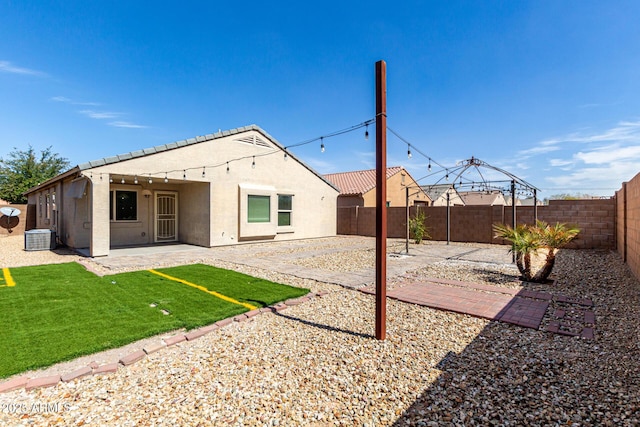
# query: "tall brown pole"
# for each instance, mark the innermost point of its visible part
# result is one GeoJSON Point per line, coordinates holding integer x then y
{"type": "Point", "coordinates": [381, 200]}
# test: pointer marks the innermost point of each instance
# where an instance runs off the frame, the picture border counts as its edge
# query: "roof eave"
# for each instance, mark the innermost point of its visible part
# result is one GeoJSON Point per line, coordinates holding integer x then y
{"type": "Point", "coordinates": [50, 181]}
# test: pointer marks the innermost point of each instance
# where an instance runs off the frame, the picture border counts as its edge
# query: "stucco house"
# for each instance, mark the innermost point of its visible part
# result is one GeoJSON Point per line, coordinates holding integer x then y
{"type": "Point", "coordinates": [358, 188]}
{"type": "Point", "coordinates": [484, 198]}
{"type": "Point", "coordinates": [438, 195]}
{"type": "Point", "coordinates": [239, 185]}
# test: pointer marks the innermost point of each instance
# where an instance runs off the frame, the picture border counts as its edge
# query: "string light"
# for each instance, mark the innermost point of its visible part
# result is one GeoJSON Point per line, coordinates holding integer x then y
{"type": "Point", "coordinates": [100, 177]}
{"type": "Point", "coordinates": [253, 162]}
{"type": "Point", "coordinates": [429, 167]}
{"type": "Point", "coordinates": [366, 132]}
{"type": "Point", "coordinates": [409, 151]}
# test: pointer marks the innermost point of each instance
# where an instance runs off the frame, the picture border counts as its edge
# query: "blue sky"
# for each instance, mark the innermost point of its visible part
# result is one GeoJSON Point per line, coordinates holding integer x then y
{"type": "Point", "coordinates": [547, 90]}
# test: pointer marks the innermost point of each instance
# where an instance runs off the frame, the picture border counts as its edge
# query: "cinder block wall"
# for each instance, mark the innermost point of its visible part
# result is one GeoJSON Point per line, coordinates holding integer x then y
{"type": "Point", "coordinates": [595, 218]}
{"type": "Point", "coordinates": [628, 223]}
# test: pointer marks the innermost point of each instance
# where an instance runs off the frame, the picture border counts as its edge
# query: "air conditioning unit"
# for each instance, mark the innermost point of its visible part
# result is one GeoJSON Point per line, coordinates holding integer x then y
{"type": "Point", "coordinates": [39, 240]}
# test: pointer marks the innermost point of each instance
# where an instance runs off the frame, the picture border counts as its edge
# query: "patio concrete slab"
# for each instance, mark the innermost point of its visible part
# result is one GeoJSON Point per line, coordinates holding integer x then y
{"type": "Point", "coordinates": [282, 257]}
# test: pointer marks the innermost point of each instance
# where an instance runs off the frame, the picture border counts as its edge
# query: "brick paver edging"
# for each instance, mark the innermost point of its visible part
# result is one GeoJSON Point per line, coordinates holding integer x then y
{"type": "Point", "coordinates": [95, 369]}
{"type": "Point", "coordinates": [520, 307]}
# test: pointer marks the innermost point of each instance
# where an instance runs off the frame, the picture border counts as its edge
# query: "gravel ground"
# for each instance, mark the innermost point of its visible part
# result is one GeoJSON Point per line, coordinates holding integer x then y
{"type": "Point", "coordinates": [317, 364]}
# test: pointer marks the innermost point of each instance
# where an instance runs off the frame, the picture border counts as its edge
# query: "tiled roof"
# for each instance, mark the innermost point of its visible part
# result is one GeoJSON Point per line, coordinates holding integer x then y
{"type": "Point", "coordinates": [174, 145]}
{"type": "Point", "coordinates": [358, 182]}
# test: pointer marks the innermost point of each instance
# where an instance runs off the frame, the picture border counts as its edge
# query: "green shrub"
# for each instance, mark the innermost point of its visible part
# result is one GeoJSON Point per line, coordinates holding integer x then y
{"type": "Point", "coordinates": [418, 227]}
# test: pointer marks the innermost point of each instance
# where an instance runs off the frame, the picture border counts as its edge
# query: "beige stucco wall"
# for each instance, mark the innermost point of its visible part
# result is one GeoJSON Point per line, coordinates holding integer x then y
{"type": "Point", "coordinates": [210, 208]}
{"type": "Point", "coordinates": [454, 199]}
{"type": "Point", "coordinates": [397, 193]}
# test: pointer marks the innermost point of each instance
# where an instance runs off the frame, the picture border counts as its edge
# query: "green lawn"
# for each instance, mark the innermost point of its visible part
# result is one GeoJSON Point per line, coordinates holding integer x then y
{"type": "Point", "coordinates": [59, 312]}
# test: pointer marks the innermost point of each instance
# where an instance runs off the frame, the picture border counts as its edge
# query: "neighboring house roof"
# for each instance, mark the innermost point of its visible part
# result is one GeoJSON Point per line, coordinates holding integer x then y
{"type": "Point", "coordinates": [358, 182]}
{"type": "Point", "coordinates": [436, 191]}
{"type": "Point", "coordinates": [482, 198]}
{"type": "Point", "coordinates": [175, 145]}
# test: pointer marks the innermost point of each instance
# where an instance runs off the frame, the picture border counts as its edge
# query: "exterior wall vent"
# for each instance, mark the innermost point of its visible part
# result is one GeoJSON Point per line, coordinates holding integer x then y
{"type": "Point", "coordinates": [253, 140]}
{"type": "Point", "coordinates": [39, 240]}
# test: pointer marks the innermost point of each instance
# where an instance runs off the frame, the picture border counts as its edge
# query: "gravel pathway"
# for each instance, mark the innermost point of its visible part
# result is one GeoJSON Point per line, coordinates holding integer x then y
{"type": "Point", "coordinates": [317, 364]}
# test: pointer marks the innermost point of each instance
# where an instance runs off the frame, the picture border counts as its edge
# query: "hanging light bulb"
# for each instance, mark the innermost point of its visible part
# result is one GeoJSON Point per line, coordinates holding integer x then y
{"type": "Point", "coordinates": [321, 145]}
{"type": "Point", "coordinates": [100, 177]}
{"type": "Point", "coordinates": [285, 155]}
{"type": "Point", "coordinates": [110, 179]}
{"type": "Point", "coordinates": [447, 177]}
{"type": "Point", "coordinates": [253, 163]}
{"type": "Point", "coordinates": [165, 178]}
{"type": "Point", "coordinates": [135, 179]}
{"type": "Point", "coordinates": [203, 174]}
{"type": "Point", "coordinates": [227, 167]}
{"type": "Point", "coordinates": [429, 167]}
{"type": "Point", "coordinates": [150, 180]}
{"type": "Point", "coordinates": [184, 174]}
{"type": "Point", "coordinates": [409, 152]}
{"type": "Point", "coordinates": [122, 180]}
{"type": "Point", "coordinates": [366, 132]}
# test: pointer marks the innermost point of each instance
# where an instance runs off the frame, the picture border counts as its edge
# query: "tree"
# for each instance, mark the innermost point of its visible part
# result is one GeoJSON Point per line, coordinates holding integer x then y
{"type": "Point", "coordinates": [528, 239]}
{"type": "Point", "coordinates": [23, 169]}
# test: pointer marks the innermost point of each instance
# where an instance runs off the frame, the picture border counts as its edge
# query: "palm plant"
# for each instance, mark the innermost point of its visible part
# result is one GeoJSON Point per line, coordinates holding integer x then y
{"type": "Point", "coordinates": [526, 240]}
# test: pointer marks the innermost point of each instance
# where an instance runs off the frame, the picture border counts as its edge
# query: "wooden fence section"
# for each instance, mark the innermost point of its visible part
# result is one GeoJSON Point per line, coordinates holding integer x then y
{"type": "Point", "coordinates": [595, 218]}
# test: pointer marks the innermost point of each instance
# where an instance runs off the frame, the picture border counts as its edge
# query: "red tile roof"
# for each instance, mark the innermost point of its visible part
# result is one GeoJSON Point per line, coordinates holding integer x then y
{"type": "Point", "coordinates": [358, 182]}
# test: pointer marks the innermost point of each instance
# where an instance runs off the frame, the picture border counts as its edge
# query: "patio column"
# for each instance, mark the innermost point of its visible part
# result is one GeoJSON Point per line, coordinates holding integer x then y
{"type": "Point", "coordinates": [100, 224]}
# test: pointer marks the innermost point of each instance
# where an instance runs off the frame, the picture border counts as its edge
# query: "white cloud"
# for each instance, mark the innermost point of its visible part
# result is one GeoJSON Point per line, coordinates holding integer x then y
{"type": "Point", "coordinates": [7, 67]}
{"type": "Point", "coordinates": [598, 180]}
{"type": "Point", "coordinates": [129, 125]}
{"type": "Point", "coordinates": [61, 99]}
{"type": "Point", "coordinates": [100, 114]}
{"type": "Point", "coordinates": [610, 154]}
{"type": "Point", "coordinates": [72, 102]}
{"type": "Point", "coordinates": [541, 149]}
{"type": "Point", "coordinates": [560, 162]}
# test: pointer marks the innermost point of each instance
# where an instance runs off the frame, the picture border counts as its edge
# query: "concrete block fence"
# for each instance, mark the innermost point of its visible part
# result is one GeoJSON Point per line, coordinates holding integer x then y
{"type": "Point", "coordinates": [595, 218]}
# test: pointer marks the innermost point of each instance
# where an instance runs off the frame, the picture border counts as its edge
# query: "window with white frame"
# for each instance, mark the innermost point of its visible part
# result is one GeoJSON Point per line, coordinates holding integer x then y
{"type": "Point", "coordinates": [285, 208]}
{"type": "Point", "coordinates": [258, 208]}
{"type": "Point", "coordinates": [123, 205]}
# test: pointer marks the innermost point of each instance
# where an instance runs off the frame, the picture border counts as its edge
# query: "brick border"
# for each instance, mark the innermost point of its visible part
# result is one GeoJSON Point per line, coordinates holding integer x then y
{"type": "Point", "coordinates": [26, 383]}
